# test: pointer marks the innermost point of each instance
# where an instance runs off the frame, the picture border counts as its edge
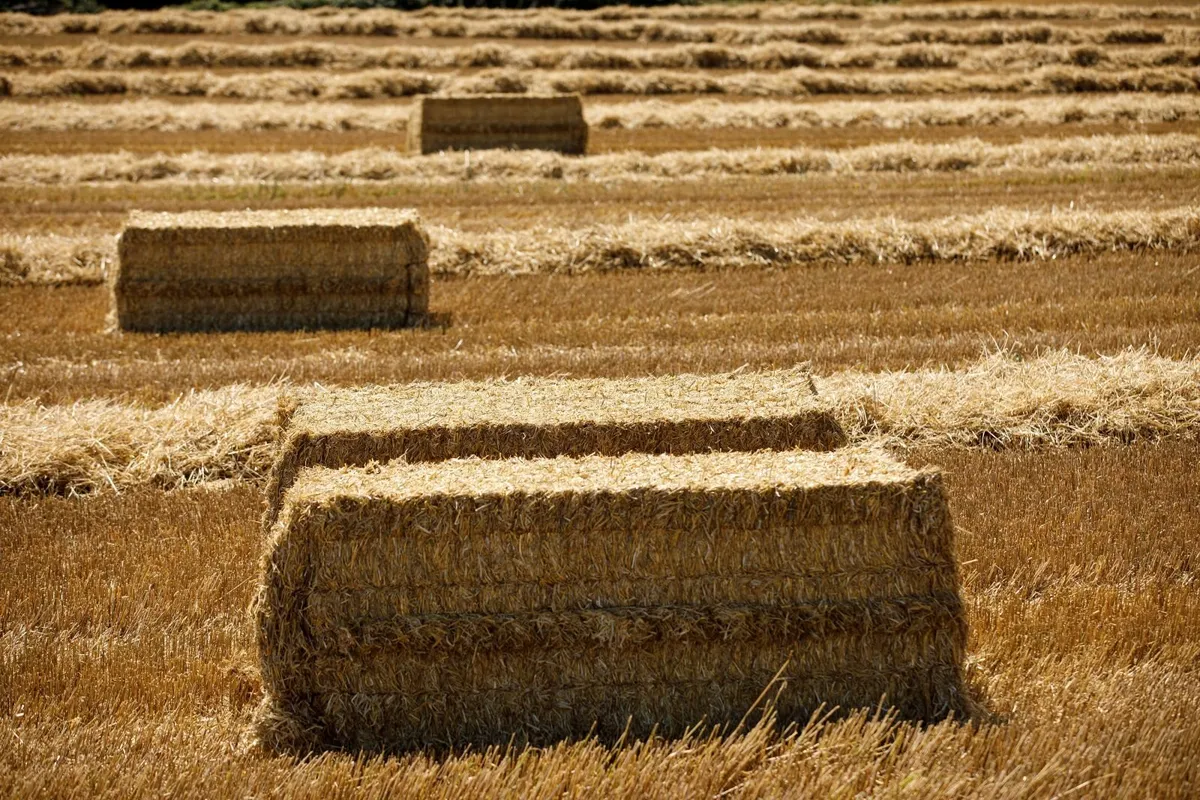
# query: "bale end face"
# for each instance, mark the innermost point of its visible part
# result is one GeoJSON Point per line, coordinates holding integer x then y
{"type": "Point", "coordinates": [473, 602]}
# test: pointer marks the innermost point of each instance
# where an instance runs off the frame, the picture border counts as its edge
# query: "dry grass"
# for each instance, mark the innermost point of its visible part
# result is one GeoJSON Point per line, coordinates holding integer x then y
{"type": "Point", "coordinates": [52, 259]}
{"type": "Point", "coordinates": [798, 82]}
{"type": "Point", "coordinates": [879, 113]}
{"type": "Point", "coordinates": [129, 679]}
{"type": "Point", "coordinates": [378, 164]}
{"type": "Point", "coordinates": [714, 244]}
{"type": "Point", "coordinates": [342, 117]}
{"type": "Point", "coordinates": [1056, 399]}
{"type": "Point", "coordinates": [96, 444]}
{"type": "Point", "coordinates": [723, 244]}
{"type": "Point", "coordinates": [776, 56]}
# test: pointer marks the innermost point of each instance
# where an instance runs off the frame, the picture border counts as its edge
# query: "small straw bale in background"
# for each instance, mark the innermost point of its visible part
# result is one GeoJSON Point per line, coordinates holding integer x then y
{"type": "Point", "coordinates": [480, 122]}
{"type": "Point", "coordinates": [472, 601]}
{"type": "Point", "coordinates": [546, 417]}
{"type": "Point", "coordinates": [271, 270]}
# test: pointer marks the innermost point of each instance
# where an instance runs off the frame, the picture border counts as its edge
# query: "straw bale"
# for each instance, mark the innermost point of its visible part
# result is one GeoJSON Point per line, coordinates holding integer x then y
{"type": "Point", "coordinates": [476, 601]}
{"type": "Point", "coordinates": [498, 121]}
{"type": "Point", "coordinates": [269, 270]}
{"type": "Point", "coordinates": [544, 417]}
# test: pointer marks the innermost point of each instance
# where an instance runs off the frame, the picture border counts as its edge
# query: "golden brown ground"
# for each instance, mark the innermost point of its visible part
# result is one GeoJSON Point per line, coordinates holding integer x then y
{"type": "Point", "coordinates": [125, 661]}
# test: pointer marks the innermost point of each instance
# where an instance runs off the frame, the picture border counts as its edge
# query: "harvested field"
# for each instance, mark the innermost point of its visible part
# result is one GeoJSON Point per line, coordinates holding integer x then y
{"type": "Point", "coordinates": [975, 223]}
{"type": "Point", "coordinates": [271, 270]}
{"type": "Point", "coordinates": [662, 606]}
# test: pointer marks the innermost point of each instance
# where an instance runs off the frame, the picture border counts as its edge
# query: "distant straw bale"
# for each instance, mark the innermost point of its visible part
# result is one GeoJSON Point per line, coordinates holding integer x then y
{"type": "Point", "coordinates": [476, 601]}
{"type": "Point", "coordinates": [546, 417]}
{"type": "Point", "coordinates": [269, 270]}
{"type": "Point", "coordinates": [498, 121]}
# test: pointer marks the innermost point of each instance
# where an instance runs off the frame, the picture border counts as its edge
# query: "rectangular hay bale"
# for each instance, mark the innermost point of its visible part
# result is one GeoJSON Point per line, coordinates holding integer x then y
{"type": "Point", "coordinates": [271, 270]}
{"type": "Point", "coordinates": [476, 601]}
{"type": "Point", "coordinates": [480, 122]}
{"type": "Point", "coordinates": [546, 417]}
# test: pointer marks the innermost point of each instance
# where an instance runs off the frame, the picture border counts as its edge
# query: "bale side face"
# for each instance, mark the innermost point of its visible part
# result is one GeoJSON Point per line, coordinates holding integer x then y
{"type": "Point", "coordinates": [309, 268]}
{"type": "Point", "coordinates": [400, 608]}
{"type": "Point", "coordinates": [544, 418]}
{"type": "Point", "coordinates": [498, 121]}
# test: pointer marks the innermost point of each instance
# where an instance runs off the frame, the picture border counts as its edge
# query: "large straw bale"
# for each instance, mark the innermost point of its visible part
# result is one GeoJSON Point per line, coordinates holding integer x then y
{"type": "Point", "coordinates": [546, 417]}
{"type": "Point", "coordinates": [480, 122]}
{"type": "Point", "coordinates": [476, 600]}
{"type": "Point", "coordinates": [271, 270]}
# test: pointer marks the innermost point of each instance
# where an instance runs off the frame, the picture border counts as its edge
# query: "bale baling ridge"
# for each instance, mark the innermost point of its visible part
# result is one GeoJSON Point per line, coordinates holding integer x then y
{"type": "Point", "coordinates": [476, 601]}
{"type": "Point", "coordinates": [546, 417]}
{"type": "Point", "coordinates": [481, 122]}
{"type": "Point", "coordinates": [271, 270]}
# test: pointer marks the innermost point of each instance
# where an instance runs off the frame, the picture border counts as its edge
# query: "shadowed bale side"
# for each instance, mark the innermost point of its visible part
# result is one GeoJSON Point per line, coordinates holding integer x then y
{"type": "Point", "coordinates": [475, 600]}
{"type": "Point", "coordinates": [544, 417]}
{"type": "Point", "coordinates": [271, 270]}
{"type": "Point", "coordinates": [498, 121]}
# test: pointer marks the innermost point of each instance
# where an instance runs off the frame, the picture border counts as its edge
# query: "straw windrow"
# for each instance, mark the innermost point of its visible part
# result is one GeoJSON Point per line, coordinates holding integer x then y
{"type": "Point", "coordinates": [473, 600]}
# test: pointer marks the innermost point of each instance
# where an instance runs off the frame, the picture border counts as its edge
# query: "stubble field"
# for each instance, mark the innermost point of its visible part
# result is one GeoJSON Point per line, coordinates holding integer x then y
{"type": "Point", "coordinates": [980, 224]}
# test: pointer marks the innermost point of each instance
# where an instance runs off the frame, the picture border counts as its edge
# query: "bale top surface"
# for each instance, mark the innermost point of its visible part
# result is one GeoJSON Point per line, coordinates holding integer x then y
{"type": "Point", "coordinates": [275, 218]}
{"type": "Point", "coordinates": [719, 471]}
{"type": "Point", "coordinates": [550, 401]}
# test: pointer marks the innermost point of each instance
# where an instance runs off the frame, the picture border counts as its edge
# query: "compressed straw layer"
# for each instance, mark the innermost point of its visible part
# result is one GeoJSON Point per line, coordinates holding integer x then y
{"type": "Point", "coordinates": [271, 270]}
{"type": "Point", "coordinates": [474, 601]}
{"type": "Point", "coordinates": [543, 417]}
{"type": "Point", "coordinates": [498, 121]}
